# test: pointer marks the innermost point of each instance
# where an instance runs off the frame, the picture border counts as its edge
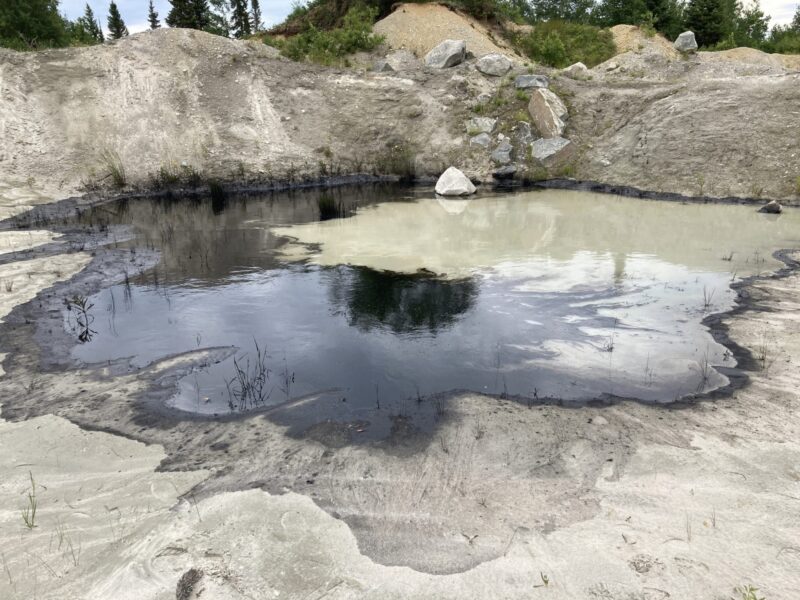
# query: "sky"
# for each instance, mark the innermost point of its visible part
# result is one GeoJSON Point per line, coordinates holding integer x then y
{"type": "Point", "coordinates": [134, 12]}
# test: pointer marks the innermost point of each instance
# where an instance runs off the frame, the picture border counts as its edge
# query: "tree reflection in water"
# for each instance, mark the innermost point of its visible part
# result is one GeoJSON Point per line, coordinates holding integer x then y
{"type": "Point", "coordinates": [398, 302]}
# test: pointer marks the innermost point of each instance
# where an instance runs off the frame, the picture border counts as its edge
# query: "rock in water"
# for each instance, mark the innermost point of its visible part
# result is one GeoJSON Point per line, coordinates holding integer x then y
{"type": "Point", "coordinates": [527, 82]}
{"type": "Point", "coordinates": [772, 208]}
{"type": "Point", "coordinates": [576, 71]}
{"type": "Point", "coordinates": [504, 173]}
{"type": "Point", "coordinates": [454, 183]}
{"type": "Point", "coordinates": [494, 64]}
{"type": "Point", "coordinates": [447, 54]}
{"type": "Point", "coordinates": [686, 42]}
{"type": "Point", "coordinates": [546, 149]}
{"type": "Point", "coordinates": [547, 112]}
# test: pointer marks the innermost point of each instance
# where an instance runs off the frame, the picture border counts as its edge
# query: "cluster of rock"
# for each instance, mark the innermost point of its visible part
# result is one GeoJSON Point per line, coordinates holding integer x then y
{"type": "Point", "coordinates": [548, 118]}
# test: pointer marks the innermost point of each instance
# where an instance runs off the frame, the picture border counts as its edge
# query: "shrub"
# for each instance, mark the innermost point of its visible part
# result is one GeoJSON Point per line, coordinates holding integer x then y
{"type": "Point", "coordinates": [328, 47]}
{"type": "Point", "coordinates": [561, 43]}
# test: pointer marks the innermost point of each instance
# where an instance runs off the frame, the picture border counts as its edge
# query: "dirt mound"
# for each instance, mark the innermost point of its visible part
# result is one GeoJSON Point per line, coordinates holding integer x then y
{"type": "Point", "coordinates": [420, 27]}
{"type": "Point", "coordinates": [754, 57]}
{"type": "Point", "coordinates": [630, 38]}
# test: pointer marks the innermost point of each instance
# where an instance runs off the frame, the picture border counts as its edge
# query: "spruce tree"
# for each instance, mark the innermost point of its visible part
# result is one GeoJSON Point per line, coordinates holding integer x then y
{"type": "Point", "coordinates": [255, 13]}
{"type": "Point", "coordinates": [116, 26]}
{"type": "Point", "coordinates": [27, 24]}
{"type": "Point", "coordinates": [92, 25]}
{"type": "Point", "coordinates": [796, 20]}
{"type": "Point", "coordinates": [707, 19]}
{"type": "Point", "coordinates": [240, 19]}
{"type": "Point", "coordinates": [152, 16]}
{"type": "Point", "coordinates": [190, 14]}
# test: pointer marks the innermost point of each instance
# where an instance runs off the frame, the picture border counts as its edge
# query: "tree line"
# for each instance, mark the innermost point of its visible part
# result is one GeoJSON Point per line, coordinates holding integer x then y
{"type": "Point", "coordinates": [717, 24]}
{"type": "Point", "coordinates": [35, 24]}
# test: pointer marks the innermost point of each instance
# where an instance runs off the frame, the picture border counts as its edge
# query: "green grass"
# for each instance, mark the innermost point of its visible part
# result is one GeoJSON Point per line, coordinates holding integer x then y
{"type": "Point", "coordinates": [560, 44]}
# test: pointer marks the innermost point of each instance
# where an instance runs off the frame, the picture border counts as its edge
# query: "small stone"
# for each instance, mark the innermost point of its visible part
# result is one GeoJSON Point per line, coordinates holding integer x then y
{"type": "Point", "coordinates": [546, 149]}
{"type": "Point", "coordinates": [495, 65]}
{"type": "Point", "coordinates": [504, 173]}
{"type": "Point", "coordinates": [576, 71]}
{"type": "Point", "coordinates": [454, 183]}
{"type": "Point", "coordinates": [772, 208]}
{"type": "Point", "coordinates": [447, 54]}
{"type": "Point", "coordinates": [481, 125]}
{"type": "Point", "coordinates": [527, 82]}
{"type": "Point", "coordinates": [382, 66]}
{"type": "Point", "coordinates": [502, 154]}
{"type": "Point", "coordinates": [686, 43]}
{"type": "Point", "coordinates": [482, 139]}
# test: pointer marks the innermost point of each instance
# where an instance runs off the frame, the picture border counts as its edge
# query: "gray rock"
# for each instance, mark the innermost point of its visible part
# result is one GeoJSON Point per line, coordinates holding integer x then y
{"type": "Point", "coordinates": [546, 149]}
{"type": "Point", "coordinates": [527, 82]}
{"type": "Point", "coordinates": [523, 134]}
{"type": "Point", "coordinates": [454, 183]}
{"type": "Point", "coordinates": [576, 71]}
{"type": "Point", "coordinates": [496, 65]}
{"type": "Point", "coordinates": [382, 66]}
{"type": "Point", "coordinates": [686, 42]}
{"type": "Point", "coordinates": [481, 125]}
{"type": "Point", "coordinates": [482, 139]}
{"type": "Point", "coordinates": [504, 173]}
{"type": "Point", "coordinates": [484, 98]}
{"type": "Point", "coordinates": [547, 112]}
{"type": "Point", "coordinates": [447, 54]}
{"type": "Point", "coordinates": [502, 154]}
{"type": "Point", "coordinates": [772, 208]}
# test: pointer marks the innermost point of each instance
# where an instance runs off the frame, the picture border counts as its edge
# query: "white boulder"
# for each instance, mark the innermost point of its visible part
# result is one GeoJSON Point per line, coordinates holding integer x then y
{"type": "Point", "coordinates": [454, 183]}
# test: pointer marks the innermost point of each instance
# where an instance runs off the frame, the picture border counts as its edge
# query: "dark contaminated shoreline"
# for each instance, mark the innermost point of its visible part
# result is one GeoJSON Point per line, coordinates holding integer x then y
{"type": "Point", "coordinates": [109, 265]}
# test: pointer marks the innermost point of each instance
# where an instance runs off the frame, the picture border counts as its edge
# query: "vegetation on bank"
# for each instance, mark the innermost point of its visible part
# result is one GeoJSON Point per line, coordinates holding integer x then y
{"type": "Point", "coordinates": [329, 47]}
{"type": "Point", "coordinates": [327, 30]}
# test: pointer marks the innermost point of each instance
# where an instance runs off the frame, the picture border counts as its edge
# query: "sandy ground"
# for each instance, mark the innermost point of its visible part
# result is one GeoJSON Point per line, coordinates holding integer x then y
{"type": "Point", "coordinates": [421, 27]}
{"type": "Point", "coordinates": [709, 503]}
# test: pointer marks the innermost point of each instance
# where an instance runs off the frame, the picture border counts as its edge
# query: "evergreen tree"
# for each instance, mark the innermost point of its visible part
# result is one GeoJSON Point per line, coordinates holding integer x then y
{"type": "Point", "coordinates": [152, 16]}
{"type": "Point", "coordinates": [29, 24]}
{"type": "Point", "coordinates": [566, 10]}
{"type": "Point", "coordinates": [92, 25]}
{"type": "Point", "coordinates": [796, 20]}
{"type": "Point", "coordinates": [241, 18]}
{"type": "Point", "coordinates": [707, 19]}
{"type": "Point", "coordinates": [752, 26]}
{"type": "Point", "coordinates": [255, 14]}
{"type": "Point", "coordinates": [190, 14]}
{"type": "Point", "coordinates": [616, 12]}
{"type": "Point", "coordinates": [116, 26]}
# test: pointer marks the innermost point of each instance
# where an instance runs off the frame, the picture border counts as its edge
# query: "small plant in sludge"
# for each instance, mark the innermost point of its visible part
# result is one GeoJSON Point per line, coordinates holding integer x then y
{"type": "Point", "coordinates": [29, 512]}
{"type": "Point", "coordinates": [79, 307]}
{"type": "Point", "coordinates": [249, 388]}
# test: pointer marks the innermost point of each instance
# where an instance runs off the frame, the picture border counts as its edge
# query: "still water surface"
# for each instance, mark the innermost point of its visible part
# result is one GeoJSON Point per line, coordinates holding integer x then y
{"type": "Point", "coordinates": [561, 294]}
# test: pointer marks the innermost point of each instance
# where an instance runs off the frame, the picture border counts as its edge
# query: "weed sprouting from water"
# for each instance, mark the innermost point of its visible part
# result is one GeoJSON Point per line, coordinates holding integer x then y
{"type": "Point", "coordinates": [708, 297]}
{"type": "Point", "coordinates": [79, 306]}
{"type": "Point", "coordinates": [8, 285]}
{"type": "Point", "coordinates": [29, 512]}
{"type": "Point", "coordinates": [249, 388]}
{"type": "Point", "coordinates": [287, 379]}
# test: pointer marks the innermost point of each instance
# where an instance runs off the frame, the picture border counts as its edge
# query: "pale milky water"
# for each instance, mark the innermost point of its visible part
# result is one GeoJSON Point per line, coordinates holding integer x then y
{"type": "Point", "coordinates": [558, 294]}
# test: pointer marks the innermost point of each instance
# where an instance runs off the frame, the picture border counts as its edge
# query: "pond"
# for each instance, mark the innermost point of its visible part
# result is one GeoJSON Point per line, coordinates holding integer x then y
{"type": "Point", "coordinates": [359, 305]}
